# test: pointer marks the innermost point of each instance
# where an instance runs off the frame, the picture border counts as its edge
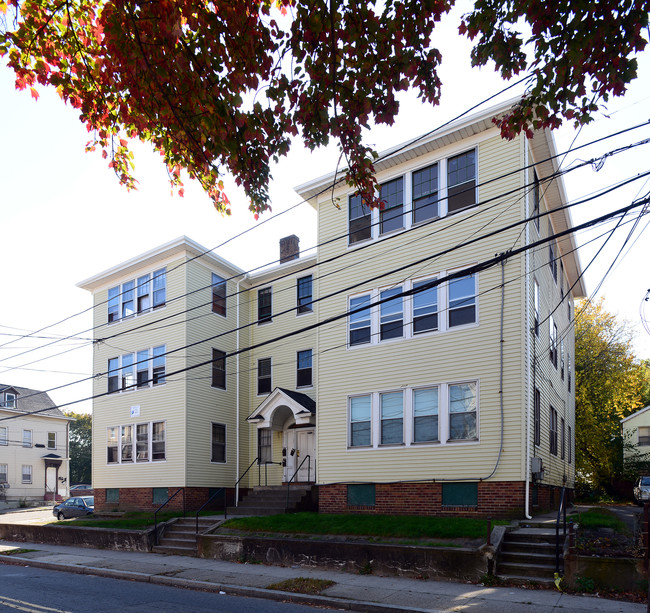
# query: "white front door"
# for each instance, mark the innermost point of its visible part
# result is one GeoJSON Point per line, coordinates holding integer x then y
{"type": "Point", "coordinates": [305, 447]}
{"type": "Point", "coordinates": [299, 445]}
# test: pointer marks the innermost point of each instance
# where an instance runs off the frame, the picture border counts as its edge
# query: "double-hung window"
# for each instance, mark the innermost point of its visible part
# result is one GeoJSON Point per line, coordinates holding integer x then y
{"type": "Point", "coordinates": [536, 200]}
{"type": "Point", "coordinates": [4, 437]}
{"type": "Point", "coordinates": [562, 360]}
{"type": "Point", "coordinates": [461, 181]}
{"type": "Point", "coordinates": [137, 370]}
{"type": "Point", "coordinates": [142, 442]}
{"type": "Point", "coordinates": [304, 294]}
{"type": "Point", "coordinates": [126, 454]}
{"type": "Point", "coordinates": [51, 440]}
{"type": "Point", "coordinates": [27, 473]}
{"type": "Point", "coordinates": [425, 193]}
{"type": "Point", "coordinates": [445, 413]}
{"type": "Point", "coordinates": [462, 301]}
{"type": "Point", "coordinates": [9, 401]}
{"type": "Point", "coordinates": [264, 305]}
{"type": "Point", "coordinates": [218, 295]}
{"type": "Point", "coordinates": [562, 440]}
{"type": "Point", "coordinates": [391, 314]}
{"type": "Point", "coordinates": [391, 407]}
{"type": "Point", "coordinates": [264, 445]}
{"type": "Point", "coordinates": [137, 296]}
{"type": "Point", "coordinates": [219, 369]}
{"type": "Point", "coordinates": [536, 306]}
{"type": "Point", "coordinates": [218, 443]}
{"type": "Point", "coordinates": [304, 368]}
{"type": "Point", "coordinates": [360, 228]}
{"type": "Point", "coordinates": [462, 411]}
{"type": "Point", "coordinates": [391, 194]}
{"type": "Point", "coordinates": [552, 340]}
{"type": "Point", "coordinates": [360, 320]}
{"type": "Point", "coordinates": [360, 421]}
{"type": "Point", "coordinates": [4, 473]}
{"type": "Point", "coordinates": [552, 257]}
{"type": "Point", "coordinates": [264, 376]}
{"type": "Point", "coordinates": [425, 415]}
{"type": "Point", "coordinates": [552, 431]}
{"type": "Point", "coordinates": [425, 307]}
{"type": "Point", "coordinates": [27, 438]}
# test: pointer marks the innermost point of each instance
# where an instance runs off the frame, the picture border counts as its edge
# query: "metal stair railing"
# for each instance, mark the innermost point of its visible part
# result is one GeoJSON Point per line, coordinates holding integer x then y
{"type": "Point", "coordinates": [164, 504]}
{"type": "Point", "coordinates": [308, 460]}
{"type": "Point", "coordinates": [209, 500]}
{"type": "Point", "coordinates": [560, 512]}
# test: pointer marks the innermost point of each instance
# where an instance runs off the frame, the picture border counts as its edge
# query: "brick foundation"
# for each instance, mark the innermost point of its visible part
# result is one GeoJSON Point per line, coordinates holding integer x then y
{"type": "Point", "coordinates": [141, 499]}
{"type": "Point", "coordinates": [498, 498]}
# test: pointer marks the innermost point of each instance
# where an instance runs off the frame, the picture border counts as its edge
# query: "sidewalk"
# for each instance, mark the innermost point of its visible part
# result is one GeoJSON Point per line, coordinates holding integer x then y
{"type": "Point", "coordinates": [351, 592]}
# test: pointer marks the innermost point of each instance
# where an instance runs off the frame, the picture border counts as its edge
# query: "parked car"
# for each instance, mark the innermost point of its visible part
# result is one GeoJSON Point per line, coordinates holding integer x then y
{"type": "Point", "coordinates": [642, 490]}
{"type": "Point", "coordinates": [77, 506]}
{"type": "Point", "coordinates": [80, 487]}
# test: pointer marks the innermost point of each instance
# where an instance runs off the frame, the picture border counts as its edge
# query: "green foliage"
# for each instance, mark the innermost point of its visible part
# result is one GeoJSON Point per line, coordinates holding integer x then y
{"type": "Point", "coordinates": [225, 87]}
{"type": "Point", "coordinates": [366, 525]}
{"type": "Point", "coordinates": [80, 447]}
{"type": "Point", "coordinates": [302, 585]}
{"type": "Point", "coordinates": [585, 584]}
{"type": "Point", "coordinates": [609, 386]}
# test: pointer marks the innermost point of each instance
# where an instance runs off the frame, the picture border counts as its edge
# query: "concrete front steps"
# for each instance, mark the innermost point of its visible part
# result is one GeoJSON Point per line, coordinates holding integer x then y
{"type": "Point", "coordinates": [272, 500]}
{"type": "Point", "coordinates": [179, 538]}
{"type": "Point", "coordinates": [528, 554]}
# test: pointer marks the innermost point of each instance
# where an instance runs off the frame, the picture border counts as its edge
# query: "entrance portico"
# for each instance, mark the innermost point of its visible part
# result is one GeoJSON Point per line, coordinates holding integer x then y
{"type": "Point", "coordinates": [293, 414]}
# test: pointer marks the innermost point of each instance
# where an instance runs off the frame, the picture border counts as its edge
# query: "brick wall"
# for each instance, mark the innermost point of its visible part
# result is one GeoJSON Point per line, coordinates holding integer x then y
{"type": "Point", "coordinates": [498, 498]}
{"type": "Point", "coordinates": [141, 499]}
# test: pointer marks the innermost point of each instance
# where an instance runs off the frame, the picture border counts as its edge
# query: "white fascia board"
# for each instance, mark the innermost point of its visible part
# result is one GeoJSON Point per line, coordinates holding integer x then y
{"type": "Point", "coordinates": [154, 257]}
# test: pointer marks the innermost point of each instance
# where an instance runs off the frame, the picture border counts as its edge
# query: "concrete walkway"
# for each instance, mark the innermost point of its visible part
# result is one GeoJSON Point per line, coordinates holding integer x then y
{"type": "Point", "coordinates": [351, 592]}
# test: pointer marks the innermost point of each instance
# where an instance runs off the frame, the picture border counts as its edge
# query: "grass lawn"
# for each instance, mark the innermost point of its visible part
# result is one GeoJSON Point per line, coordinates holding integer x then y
{"type": "Point", "coordinates": [129, 521]}
{"type": "Point", "coordinates": [601, 518]}
{"type": "Point", "coordinates": [387, 526]}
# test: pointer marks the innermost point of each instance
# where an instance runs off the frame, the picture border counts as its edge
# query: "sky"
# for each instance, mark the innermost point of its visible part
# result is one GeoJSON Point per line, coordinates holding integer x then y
{"type": "Point", "coordinates": [64, 217]}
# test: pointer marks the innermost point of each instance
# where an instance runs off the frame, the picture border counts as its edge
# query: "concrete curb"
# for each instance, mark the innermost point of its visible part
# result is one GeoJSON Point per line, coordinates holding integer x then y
{"type": "Point", "coordinates": [231, 590]}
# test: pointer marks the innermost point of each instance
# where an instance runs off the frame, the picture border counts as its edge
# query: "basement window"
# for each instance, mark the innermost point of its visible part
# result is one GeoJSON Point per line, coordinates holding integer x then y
{"type": "Point", "coordinates": [460, 494]}
{"type": "Point", "coordinates": [361, 495]}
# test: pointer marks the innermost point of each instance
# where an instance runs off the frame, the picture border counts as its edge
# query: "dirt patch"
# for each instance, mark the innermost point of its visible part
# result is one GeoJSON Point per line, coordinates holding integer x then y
{"type": "Point", "coordinates": [302, 585]}
{"type": "Point", "coordinates": [608, 543]}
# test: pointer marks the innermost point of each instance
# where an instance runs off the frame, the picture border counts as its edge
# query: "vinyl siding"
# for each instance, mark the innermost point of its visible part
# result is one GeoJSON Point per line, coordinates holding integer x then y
{"type": "Point", "coordinates": [165, 402]}
{"type": "Point", "coordinates": [462, 354]}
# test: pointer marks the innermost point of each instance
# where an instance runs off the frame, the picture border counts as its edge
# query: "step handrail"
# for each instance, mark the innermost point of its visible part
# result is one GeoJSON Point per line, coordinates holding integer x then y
{"type": "Point", "coordinates": [164, 504]}
{"type": "Point", "coordinates": [560, 511]}
{"type": "Point", "coordinates": [308, 460]}
{"type": "Point", "coordinates": [208, 501]}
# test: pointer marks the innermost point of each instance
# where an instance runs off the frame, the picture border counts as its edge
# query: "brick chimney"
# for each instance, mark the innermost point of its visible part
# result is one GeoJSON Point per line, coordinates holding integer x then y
{"type": "Point", "coordinates": [289, 248]}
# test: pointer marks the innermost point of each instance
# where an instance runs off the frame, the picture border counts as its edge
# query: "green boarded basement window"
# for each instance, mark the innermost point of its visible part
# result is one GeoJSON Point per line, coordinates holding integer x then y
{"type": "Point", "coordinates": [361, 495]}
{"type": "Point", "coordinates": [460, 494]}
{"type": "Point", "coordinates": [160, 495]}
{"type": "Point", "coordinates": [112, 494]}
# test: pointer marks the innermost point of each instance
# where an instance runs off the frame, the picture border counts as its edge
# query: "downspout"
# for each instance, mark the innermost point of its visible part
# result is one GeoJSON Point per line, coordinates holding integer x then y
{"type": "Point", "coordinates": [527, 257]}
{"type": "Point", "coordinates": [237, 403]}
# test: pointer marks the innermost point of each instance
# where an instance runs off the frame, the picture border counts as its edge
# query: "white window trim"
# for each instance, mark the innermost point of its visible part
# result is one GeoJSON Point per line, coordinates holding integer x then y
{"type": "Point", "coordinates": [407, 311]}
{"type": "Point", "coordinates": [134, 461]}
{"type": "Point", "coordinates": [257, 376]}
{"type": "Point", "coordinates": [303, 387]}
{"type": "Point", "coordinates": [22, 474]}
{"type": "Point", "coordinates": [443, 418]}
{"type": "Point", "coordinates": [375, 229]}
{"type": "Point", "coordinates": [136, 313]}
{"type": "Point", "coordinates": [4, 436]}
{"type": "Point", "coordinates": [5, 472]}
{"type": "Point", "coordinates": [48, 440]}
{"type": "Point", "coordinates": [225, 443]}
{"type": "Point", "coordinates": [31, 438]}
{"type": "Point", "coordinates": [135, 365]}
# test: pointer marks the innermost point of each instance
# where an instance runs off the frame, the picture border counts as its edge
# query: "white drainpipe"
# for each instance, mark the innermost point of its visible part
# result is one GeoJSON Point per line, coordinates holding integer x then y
{"type": "Point", "coordinates": [527, 256]}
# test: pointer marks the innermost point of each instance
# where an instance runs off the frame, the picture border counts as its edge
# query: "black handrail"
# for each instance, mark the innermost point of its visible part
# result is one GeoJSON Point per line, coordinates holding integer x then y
{"type": "Point", "coordinates": [208, 501]}
{"type": "Point", "coordinates": [308, 460]}
{"type": "Point", "coordinates": [155, 514]}
{"type": "Point", "coordinates": [557, 528]}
